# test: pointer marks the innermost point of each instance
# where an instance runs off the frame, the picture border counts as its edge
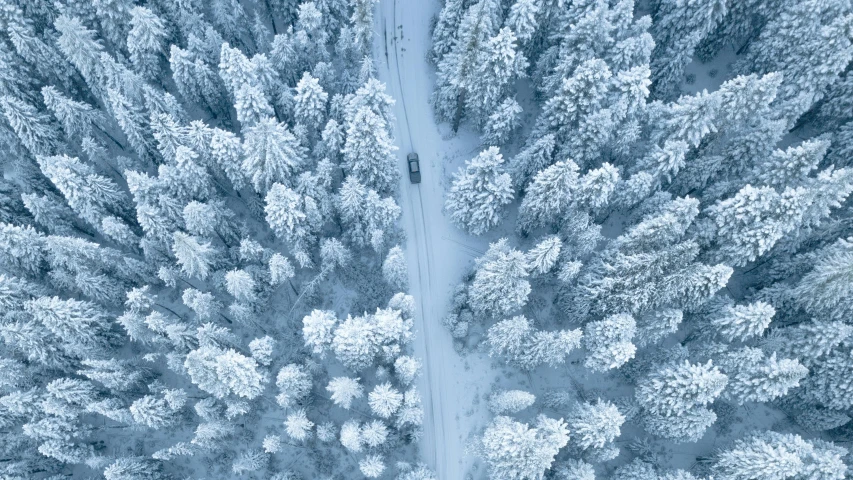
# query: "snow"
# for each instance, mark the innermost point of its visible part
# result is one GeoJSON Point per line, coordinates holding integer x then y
{"type": "Point", "coordinates": [438, 253]}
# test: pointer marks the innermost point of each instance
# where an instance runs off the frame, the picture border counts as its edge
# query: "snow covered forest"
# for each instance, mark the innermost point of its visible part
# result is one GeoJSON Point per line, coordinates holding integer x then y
{"type": "Point", "coordinates": [199, 270]}
{"type": "Point", "coordinates": [664, 187]}
{"type": "Point", "coordinates": [213, 264]}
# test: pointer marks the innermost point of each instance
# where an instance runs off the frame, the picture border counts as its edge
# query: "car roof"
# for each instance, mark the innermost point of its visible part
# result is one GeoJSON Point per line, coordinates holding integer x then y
{"type": "Point", "coordinates": [413, 156]}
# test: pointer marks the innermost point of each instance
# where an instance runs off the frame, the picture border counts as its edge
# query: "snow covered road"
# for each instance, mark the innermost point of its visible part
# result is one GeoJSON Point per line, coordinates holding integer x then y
{"type": "Point", "coordinates": [438, 254]}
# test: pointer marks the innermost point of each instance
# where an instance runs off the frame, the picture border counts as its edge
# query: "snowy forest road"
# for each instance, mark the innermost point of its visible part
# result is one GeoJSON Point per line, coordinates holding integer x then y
{"type": "Point", "coordinates": [438, 254]}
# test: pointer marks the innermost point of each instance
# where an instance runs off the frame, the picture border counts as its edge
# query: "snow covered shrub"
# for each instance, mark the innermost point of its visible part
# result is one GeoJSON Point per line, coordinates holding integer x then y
{"type": "Point", "coordinates": [510, 401]}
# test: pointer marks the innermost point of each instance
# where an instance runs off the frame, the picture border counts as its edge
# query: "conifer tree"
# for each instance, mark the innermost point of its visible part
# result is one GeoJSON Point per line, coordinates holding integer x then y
{"type": "Point", "coordinates": [130, 118]}
{"type": "Point", "coordinates": [774, 455]}
{"type": "Point", "coordinates": [371, 95]}
{"type": "Point", "coordinates": [195, 79]}
{"type": "Point", "coordinates": [663, 163]}
{"type": "Point", "coordinates": [134, 468]}
{"type": "Point", "coordinates": [292, 217]}
{"type": "Point", "coordinates": [294, 383]}
{"type": "Point", "coordinates": [498, 65]}
{"type": "Point", "coordinates": [385, 400]}
{"type": "Point", "coordinates": [154, 412]}
{"type": "Point", "coordinates": [516, 450]}
{"type": "Point", "coordinates": [791, 166]}
{"type": "Point", "coordinates": [578, 106]}
{"type": "Point", "coordinates": [362, 24]}
{"type": "Point", "coordinates": [675, 389]}
{"type": "Point", "coordinates": [34, 129]}
{"type": "Point", "coordinates": [801, 30]}
{"type": "Point", "coordinates": [596, 187]}
{"type": "Point", "coordinates": [826, 289]}
{"type": "Point", "coordinates": [81, 47]}
{"type": "Point", "coordinates": [317, 328]}
{"type": "Point", "coordinates": [747, 225]}
{"type": "Point", "coordinates": [829, 384]}
{"type": "Point", "coordinates": [365, 214]}
{"type": "Point", "coordinates": [754, 378]}
{"type": "Point", "coordinates": [688, 426]}
{"type": "Point", "coordinates": [743, 322]}
{"type": "Point", "coordinates": [394, 268]}
{"type": "Point", "coordinates": [742, 23]}
{"type": "Point", "coordinates": [502, 122]}
{"type": "Point", "coordinates": [367, 152]}
{"type": "Point", "coordinates": [350, 436]}
{"type": "Point", "coordinates": [549, 196]}
{"type": "Point", "coordinates": [523, 18]}
{"type": "Point", "coordinates": [608, 342]}
{"type": "Point", "coordinates": [372, 466]}
{"type": "Point", "coordinates": [500, 283]}
{"type": "Point", "coordinates": [240, 284]}
{"type": "Point", "coordinates": [114, 374]}
{"type": "Point", "coordinates": [544, 256]}
{"type": "Point", "coordinates": [621, 281]}
{"type": "Point", "coordinates": [297, 426]}
{"type": "Point", "coordinates": [226, 151]}
{"type": "Point", "coordinates": [145, 41]}
{"type": "Point", "coordinates": [444, 33]}
{"type": "Point", "coordinates": [521, 345]}
{"type": "Point", "coordinates": [310, 101]}
{"type": "Point", "coordinates": [534, 157]}
{"type": "Point", "coordinates": [689, 119]}
{"type": "Point", "coordinates": [374, 433]}
{"type": "Point", "coordinates": [90, 195]}
{"type": "Point", "coordinates": [595, 425]}
{"type": "Point", "coordinates": [195, 257]}
{"type": "Point", "coordinates": [824, 194]}
{"type": "Point", "coordinates": [407, 369]}
{"type": "Point", "coordinates": [77, 118]}
{"type": "Point", "coordinates": [656, 326]}
{"type": "Point", "coordinates": [81, 326]}
{"type": "Point", "coordinates": [344, 390]}
{"type": "Point", "coordinates": [271, 154]}
{"type": "Point", "coordinates": [355, 342]}
{"type": "Point", "coordinates": [810, 341]}
{"type": "Point", "coordinates": [576, 469]}
{"type": "Point", "coordinates": [223, 372]}
{"type": "Point", "coordinates": [456, 70]}
{"type": "Point", "coordinates": [479, 193]}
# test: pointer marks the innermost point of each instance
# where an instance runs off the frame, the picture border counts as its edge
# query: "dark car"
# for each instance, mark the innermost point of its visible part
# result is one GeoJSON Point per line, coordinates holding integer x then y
{"type": "Point", "coordinates": [414, 168]}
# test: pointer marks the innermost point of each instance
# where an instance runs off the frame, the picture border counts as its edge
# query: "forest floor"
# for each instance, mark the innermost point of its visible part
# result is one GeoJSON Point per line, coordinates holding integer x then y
{"type": "Point", "coordinates": [438, 253]}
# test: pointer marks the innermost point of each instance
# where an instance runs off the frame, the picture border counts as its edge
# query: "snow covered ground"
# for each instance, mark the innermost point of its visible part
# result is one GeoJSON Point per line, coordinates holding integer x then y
{"type": "Point", "coordinates": [438, 253]}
